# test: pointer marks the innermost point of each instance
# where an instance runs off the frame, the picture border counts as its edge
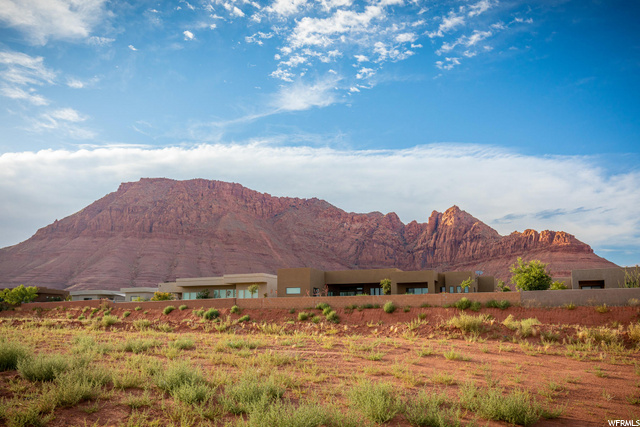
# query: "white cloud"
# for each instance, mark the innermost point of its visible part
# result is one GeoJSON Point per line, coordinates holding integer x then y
{"type": "Point", "coordinates": [301, 96]}
{"type": "Point", "coordinates": [286, 7]}
{"type": "Point", "coordinates": [132, 47]}
{"type": "Point", "coordinates": [449, 23]}
{"type": "Point", "coordinates": [100, 41]}
{"type": "Point", "coordinates": [480, 7]}
{"type": "Point", "coordinates": [518, 191]}
{"type": "Point", "coordinates": [188, 35]}
{"type": "Point", "coordinates": [67, 114]}
{"type": "Point", "coordinates": [41, 20]}
{"type": "Point", "coordinates": [30, 96]}
{"type": "Point", "coordinates": [19, 72]}
{"type": "Point", "coordinates": [448, 63]}
{"type": "Point", "coordinates": [361, 58]}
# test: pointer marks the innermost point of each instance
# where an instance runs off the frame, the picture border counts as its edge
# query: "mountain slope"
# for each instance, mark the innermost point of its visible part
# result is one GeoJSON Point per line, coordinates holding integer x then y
{"type": "Point", "coordinates": [155, 230]}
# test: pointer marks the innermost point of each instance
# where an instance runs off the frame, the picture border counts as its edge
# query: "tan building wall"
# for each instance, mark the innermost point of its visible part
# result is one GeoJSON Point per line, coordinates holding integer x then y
{"type": "Point", "coordinates": [296, 282]}
{"type": "Point", "coordinates": [143, 293]}
{"type": "Point", "coordinates": [486, 284]}
{"type": "Point", "coordinates": [594, 277]}
{"type": "Point", "coordinates": [185, 288]}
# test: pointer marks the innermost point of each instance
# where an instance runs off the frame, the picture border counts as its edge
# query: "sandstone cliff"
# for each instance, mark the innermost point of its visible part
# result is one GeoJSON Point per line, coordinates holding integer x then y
{"type": "Point", "coordinates": [155, 230]}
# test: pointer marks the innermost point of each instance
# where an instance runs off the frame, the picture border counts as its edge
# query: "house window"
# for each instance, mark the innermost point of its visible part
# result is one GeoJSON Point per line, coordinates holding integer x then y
{"type": "Point", "coordinates": [459, 289]}
{"type": "Point", "coordinates": [316, 292]}
{"type": "Point", "coordinates": [450, 289]}
{"type": "Point", "coordinates": [88, 299]}
{"type": "Point", "coordinates": [376, 291]}
{"type": "Point", "coordinates": [466, 290]}
{"type": "Point", "coordinates": [443, 289]}
{"type": "Point", "coordinates": [417, 291]}
{"type": "Point", "coordinates": [293, 291]}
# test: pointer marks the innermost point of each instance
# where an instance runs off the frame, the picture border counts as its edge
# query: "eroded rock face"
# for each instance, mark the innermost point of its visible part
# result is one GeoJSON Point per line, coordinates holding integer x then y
{"type": "Point", "coordinates": [155, 230]}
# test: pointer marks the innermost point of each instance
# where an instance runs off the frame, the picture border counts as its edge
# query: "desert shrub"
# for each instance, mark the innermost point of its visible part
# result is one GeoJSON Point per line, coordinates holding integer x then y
{"type": "Point", "coordinates": [525, 327]}
{"type": "Point", "coordinates": [138, 308]}
{"type": "Point", "coordinates": [191, 393]}
{"type": "Point", "coordinates": [462, 304]}
{"type": "Point", "coordinates": [502, 305]}
{"type": "Point", "coordinates": [570, 306]}
{"type": "Point", "coordinates": [244, 318]}
{"type": "Point", "coordinates": [139, 345]}
{"type": "Point", "coordinates": [141, 324]}
{"type": "Point", "coordinates": [602, 308]}
{"type": "Point", "coordinates": [285, 414]}
{"type": "Point", "coordinates": [162, 296]}
{"type": "Point", "coordinates": [633, 332]}
{"type": "Point", "coordinates": [168, 309]}
{"type": "Point", "coordinates": [332, 317]}
{"type": "Point", "coordinates": [164, 327]}
{"type": "Point", "coordinates": [515, 407]}
{"type": "Point", "coordinates": [467, 322]}
{"type": "Point", "coordinates": [389, 307]}
{"type": "Point", "coordinates": [365, 306]}
{"type": "Point", "coordinates": [42, 367]}
{"type": "Point", "coordinates": [183, 307]}
{"type": "Point", "coordinates": [182, 344]}
{"type": "Point", "coordinates": [530, 276]}
{"type": "Point", "coordinates": [80, 384]}
{"type": "Point", "coordinates": [302, 316]}
{"type": "Point", "coordinates": [407, 309]}
{"type": "Point", "coordinates": [250, 391]}
{"type": "Point", "coordinates": [292, 310]}
{"type": "Point", "coordinates": [377, 401]}
{"type": "Point", "coordinates": [600, 334]}
{"type": "Point", "coordinates": [326, 310]}
{"type": "Point", "coordinates": [10, 354]}
{"type": "Point", "coordinates": [235, 309]}
{"type": "Point", "coordinates": [322, 306]}
{"type": "Point", "coordinates": [422, 316]}
{"type": "Point", "coordinates": [315, 319]}
{"type": "Point", "coordinates": [108, 320]}
{"type": "Point", "coordinates": [271, 328]}
{"type": "Point", "coordinates": [211, 314]}
{"type": "Point", "coordinates": [81, 317]}
{"type": "Point", "coordinates": [428, 409]}
{"type": "Point", "coordinates": [176, 375]}
{"type": "Point", "coordinates": [126, 314]}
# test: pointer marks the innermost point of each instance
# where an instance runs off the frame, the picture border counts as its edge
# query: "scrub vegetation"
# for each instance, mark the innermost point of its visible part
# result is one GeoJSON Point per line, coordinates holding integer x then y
{"type": "Point", "coordinates": [423, 367]}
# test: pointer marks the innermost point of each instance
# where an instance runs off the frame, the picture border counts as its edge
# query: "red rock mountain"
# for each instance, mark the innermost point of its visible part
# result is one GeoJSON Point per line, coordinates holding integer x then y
{"type": "Point", "coordinates": [156, 230]}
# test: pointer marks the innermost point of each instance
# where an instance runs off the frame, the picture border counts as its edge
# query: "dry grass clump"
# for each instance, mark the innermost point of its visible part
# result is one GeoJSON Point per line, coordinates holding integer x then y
{"type": "Point", "coordinates": [468, 322]}
{"type": "Point", "coordinates": [525, 328]}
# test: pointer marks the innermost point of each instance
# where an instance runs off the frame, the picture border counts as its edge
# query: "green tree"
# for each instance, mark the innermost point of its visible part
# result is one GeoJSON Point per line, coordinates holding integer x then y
{"type": "Point", "coordinates": [530, 276]}
{"type": "Point", "coordinates": [253, 289]}
{"type": "Point", "coordinates": [558, 286]}
{"type": "Point", "coordinates": [203, 294]}
{"type": "Point", "coordinates": [19, 295]}
{"type": "Point", "coordinates": [162, 296]}
{"type": "Point", "coordinates": [632, 277]}
{"type": "Point", "coordinates": [501, 287]}
{"type": "Point", "coordinates": [466, 283]}
{"type": "Point", "coordinates": [385, 284]}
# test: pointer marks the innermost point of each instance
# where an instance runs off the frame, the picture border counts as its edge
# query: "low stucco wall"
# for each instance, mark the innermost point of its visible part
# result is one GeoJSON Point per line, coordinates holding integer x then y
{"type": "Point", "coordinates": [295, 302]}
{"type": "Point", "coordinates": [615, 296]}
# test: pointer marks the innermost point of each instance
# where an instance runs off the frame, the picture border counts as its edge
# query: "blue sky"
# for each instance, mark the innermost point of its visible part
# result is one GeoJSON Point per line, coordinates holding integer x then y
{"type": "Point", "coordinates": [522, 113]}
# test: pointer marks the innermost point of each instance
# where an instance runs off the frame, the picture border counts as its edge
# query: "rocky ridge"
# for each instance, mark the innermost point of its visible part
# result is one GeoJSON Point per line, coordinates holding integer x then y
{"type": "Point", "coordinates": [155, 230]}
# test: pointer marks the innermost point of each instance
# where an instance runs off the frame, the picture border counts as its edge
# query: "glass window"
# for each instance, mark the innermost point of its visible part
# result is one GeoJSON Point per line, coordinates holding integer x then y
{"type": "Point", "coordinates": [216, 293]}
{"type": "Point", "coordinates": [450, 289]}
{"type": "Point", "coordinates": [376, 291]}
{"type": "Point", "coordinates": [442, 289]}
{"type": "Point", "coordinates": [293, 291]}
{"type": "Point", "coordinates": [240, 293]}
{"type": "Point", "coordinates": [466, 290]}
{"type": "Point", "coordinates": [459, 289]}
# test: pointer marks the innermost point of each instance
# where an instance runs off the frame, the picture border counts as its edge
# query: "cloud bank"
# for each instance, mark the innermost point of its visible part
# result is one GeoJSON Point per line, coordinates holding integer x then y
{"type": "Point", "coordinates": [507, 190]}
